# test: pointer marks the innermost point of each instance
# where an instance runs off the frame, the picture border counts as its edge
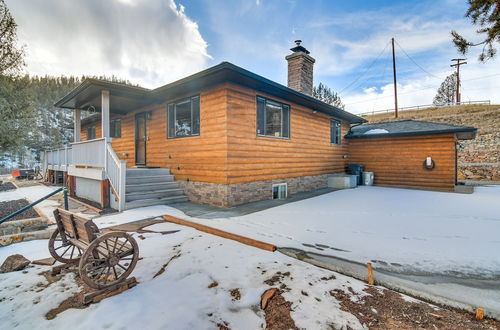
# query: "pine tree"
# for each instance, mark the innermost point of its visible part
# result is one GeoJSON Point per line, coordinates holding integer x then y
{"type": "Point", "coordinates": [325, 94]}
{"type": "Point", "coordinates": [485, 14]}
{"type": "Point", "coordinates": [446, 93]}
{"type": "Point", "coordinates": [11, 56]}
{"type": "Point", "coordinates": [15, 110]}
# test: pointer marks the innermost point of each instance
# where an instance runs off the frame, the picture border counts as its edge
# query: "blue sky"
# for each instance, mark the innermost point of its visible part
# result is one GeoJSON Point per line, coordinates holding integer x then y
{"type": "Point", "coordinates": [153, 42]}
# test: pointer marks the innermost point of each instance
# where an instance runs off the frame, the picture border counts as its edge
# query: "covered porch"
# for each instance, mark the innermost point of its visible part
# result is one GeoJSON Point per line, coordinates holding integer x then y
{"type": "Point", "coordinates": [91, 168]}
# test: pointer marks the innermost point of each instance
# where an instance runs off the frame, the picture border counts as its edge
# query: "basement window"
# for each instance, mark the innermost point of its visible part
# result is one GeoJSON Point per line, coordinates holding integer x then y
{"type": "Point", "coordinates": [273, 118]}
{"type": "Point", "coordinates": [279, 191]}
{"type": "Point", "coordinates": [184, 118]}
{"type": "Point", "coordinates": [90, 132]}
{"type": "Point", "coordinates": [335, 131]}
{"type": "Point", "coordinates": [115, 130]}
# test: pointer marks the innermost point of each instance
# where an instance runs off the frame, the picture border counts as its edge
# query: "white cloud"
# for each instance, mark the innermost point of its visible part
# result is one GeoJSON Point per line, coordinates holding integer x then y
{"type": "Point", "coordinates": [149, 42]}
{"type": "Point", "coordinates": [479, 82]}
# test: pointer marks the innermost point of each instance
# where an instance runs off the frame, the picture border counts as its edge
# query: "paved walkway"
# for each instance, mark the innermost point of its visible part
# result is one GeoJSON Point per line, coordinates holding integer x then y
{"type": "Point", "coordinates": [213, 212]}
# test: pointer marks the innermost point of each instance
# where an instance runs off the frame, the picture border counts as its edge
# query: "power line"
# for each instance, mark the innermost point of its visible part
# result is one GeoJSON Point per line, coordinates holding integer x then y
{"type": "Point", "coordinates": [422, 89]}
{"type": "Point", "coordinates": [418, 65]}
{"type": "Point", "coordinates": [367, 69]}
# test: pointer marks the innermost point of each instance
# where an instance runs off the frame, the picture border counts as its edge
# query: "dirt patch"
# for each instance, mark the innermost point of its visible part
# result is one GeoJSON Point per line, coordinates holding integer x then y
{"type": "Point", "coordinates": [277, 313]}
{"type": "Point", "coordinates": [277, 278]}
{"type": "Point", "coordinates": [75, 301]}
{"type": "Point", "coordinates": [72, 302]}
{"type": "Point", "coordinates": [6, 186]}
{"type": "Point", "coordinates": [223, 325]}
{"type": "Point", "coordinates": [385, 309]}
{"type": "Point", "coordinates": [9, 207]}
{"type": "Point", "coordinates": [235, 293]}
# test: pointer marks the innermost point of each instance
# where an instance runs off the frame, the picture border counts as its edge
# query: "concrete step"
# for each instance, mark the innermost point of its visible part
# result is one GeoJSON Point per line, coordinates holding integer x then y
{"type": "Point", "coordinates": [136, 172]}
{"type": "Point", "coordinates": [151, 186]}
{"type": "Point", "coordinates": [149, 179]}
{"type": "Point", "coordinates": [137, 195]}
{"type": "Point", "coordinates": [155, 201]}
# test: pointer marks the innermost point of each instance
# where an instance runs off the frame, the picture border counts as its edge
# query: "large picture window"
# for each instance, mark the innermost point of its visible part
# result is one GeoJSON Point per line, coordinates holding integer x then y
{"type": "Point", "coordinates": [90, 132]}
{"type": "Point", "coordinates": [184, 118]}
{"type": "Point", "coordinates": [273, 118]}
{"type": "Point", "coordinates": [335, 131]}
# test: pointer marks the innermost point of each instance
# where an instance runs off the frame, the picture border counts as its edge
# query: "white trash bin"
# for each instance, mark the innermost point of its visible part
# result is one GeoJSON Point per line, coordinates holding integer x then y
{"type": "Point", "coordinates": [368, 178]}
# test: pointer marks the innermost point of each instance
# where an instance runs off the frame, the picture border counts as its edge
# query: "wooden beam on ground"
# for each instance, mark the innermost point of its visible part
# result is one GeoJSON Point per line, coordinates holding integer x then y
{"type": "Point", "coordinates": [221, 233]}
{"type": "Point", "coordinates": [93, 208]}
{"type": "Point", "coordinates": [98, 295]}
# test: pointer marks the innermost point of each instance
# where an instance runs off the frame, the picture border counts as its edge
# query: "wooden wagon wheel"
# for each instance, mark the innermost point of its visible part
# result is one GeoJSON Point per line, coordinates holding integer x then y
{"type": "Point", "coordinates": [63, 251]}
{"type": "Point", "coordinates": [108, 260]}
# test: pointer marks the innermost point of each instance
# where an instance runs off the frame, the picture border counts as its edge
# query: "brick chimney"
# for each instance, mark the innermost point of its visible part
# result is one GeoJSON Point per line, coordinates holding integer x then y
{"type": "Point", "coordinates": [300, 69]}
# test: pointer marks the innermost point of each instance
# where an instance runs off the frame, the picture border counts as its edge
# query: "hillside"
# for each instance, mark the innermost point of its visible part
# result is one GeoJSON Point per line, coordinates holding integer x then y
{"type": "Point", "coordinates": [478, 159]}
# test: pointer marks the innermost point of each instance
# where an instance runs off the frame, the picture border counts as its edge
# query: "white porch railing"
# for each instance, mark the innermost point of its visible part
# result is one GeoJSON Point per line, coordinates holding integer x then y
{"type": "Point", "coordinates": [58, 159]}
{"type": "Point", "coordinates": [116, 171]}
{"type": "Point", "coordinates": [89, 153]}
{"type": "Point", "coordinates": [97, 153]}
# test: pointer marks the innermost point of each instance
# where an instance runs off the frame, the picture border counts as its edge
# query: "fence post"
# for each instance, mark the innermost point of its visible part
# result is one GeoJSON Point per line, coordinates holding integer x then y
{"type": "Point", "coordinates": [65, 194]}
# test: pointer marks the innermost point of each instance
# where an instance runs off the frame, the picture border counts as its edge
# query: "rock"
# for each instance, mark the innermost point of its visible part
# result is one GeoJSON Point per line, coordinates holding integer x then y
{"type": "Point", "coordinates": [14, 263]}
{"type": "Point", "coordinates": [266, 296]}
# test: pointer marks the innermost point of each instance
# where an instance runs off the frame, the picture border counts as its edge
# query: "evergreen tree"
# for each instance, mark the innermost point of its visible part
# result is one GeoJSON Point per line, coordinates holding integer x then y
{"type": "Point", "coordinates": [11, 56]}
{"type": "Point", "coordinates": [486, 15]}
{"type": "Point", "coordinates": [446, 93]}
{"type": "Point", "coordinates": [15, 110]}
{"type": "Point", "coordinates": [325, 94]}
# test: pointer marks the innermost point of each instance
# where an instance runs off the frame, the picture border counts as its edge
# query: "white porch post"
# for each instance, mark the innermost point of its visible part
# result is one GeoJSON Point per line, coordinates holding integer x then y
{"type": "Point", "coordinates": [105, 124]}
{"type": "Point", "coordinates": [77, 125]}
{"type": "Point", "coordinates": [105, 113]}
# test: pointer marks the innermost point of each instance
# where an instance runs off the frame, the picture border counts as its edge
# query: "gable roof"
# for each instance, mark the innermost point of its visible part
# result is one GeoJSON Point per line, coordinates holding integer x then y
{"type": "Point", "coordinates": [125, 98]}
{"type": "Point", "coordinates": [408, 128]}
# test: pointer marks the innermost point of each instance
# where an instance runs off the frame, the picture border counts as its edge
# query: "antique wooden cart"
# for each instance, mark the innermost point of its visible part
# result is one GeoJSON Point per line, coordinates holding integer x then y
{"type": "Point", "coordinates": [104, 259]}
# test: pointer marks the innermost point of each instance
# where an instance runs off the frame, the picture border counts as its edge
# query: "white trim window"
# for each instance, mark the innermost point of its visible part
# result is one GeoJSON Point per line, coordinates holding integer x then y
{"type": "Point", "coordinates": [335, 131]}
{"type": "Point", "coordinates": [183, 118]}
{"type": "Point", "coordinates": [279, 191]}
{"type": "Point", "coordinates": [273, 118]}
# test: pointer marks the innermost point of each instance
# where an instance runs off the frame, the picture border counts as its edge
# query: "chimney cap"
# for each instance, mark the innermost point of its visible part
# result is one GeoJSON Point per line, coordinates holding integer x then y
{"type": "Point", "coordinates": [299, 48]}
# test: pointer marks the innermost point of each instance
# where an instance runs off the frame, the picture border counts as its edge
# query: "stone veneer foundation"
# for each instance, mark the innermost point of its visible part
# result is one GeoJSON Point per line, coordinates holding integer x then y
{"type": "Point", "coordinates": [226, 195]}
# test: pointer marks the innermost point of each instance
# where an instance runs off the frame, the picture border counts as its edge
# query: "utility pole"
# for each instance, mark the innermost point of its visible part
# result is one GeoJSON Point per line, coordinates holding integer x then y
{"type": "Point", "coordinates": [457, 65]}
{"type": "Point", "coordinates": [395, 83]}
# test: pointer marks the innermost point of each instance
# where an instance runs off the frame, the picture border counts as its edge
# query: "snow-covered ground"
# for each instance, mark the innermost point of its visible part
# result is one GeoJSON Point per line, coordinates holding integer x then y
{"type": "Point", "coordinates": [407, 230]}
{"type": "Point", "coordinates": [180, 298]}
{"type": "Point", "coordinates": [420, 230]}
{"type": "Point", "coordinates": [32, 194]}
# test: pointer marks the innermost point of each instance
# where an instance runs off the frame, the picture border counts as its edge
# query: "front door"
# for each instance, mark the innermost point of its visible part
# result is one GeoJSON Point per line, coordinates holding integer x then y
{"type": "Point", "coordinates": [141, 136]}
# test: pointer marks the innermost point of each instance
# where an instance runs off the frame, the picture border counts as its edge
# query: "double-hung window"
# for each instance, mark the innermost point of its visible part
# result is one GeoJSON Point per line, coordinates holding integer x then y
{"type": "Point", "coordinates": [115, 128]}
{"type": "Point", "coordinates": [273, 118]}
{"type": "Point", "coordinates": [184, 118]}
{"type": "Point", "coordinates": [90, 132]}
{"type": "Point", "coordinates": [335, 132]}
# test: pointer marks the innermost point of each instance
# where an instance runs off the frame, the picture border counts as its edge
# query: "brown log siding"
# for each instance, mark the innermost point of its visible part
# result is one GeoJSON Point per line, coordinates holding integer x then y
{"type": "Point", "coordinates": [227, 149]}
{"type": "Point", "coordinates": [398, 161]}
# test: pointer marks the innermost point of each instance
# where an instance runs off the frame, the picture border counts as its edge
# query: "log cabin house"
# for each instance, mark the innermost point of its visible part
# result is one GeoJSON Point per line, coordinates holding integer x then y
{"type": "Point", "coordinates": [226, 136]}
